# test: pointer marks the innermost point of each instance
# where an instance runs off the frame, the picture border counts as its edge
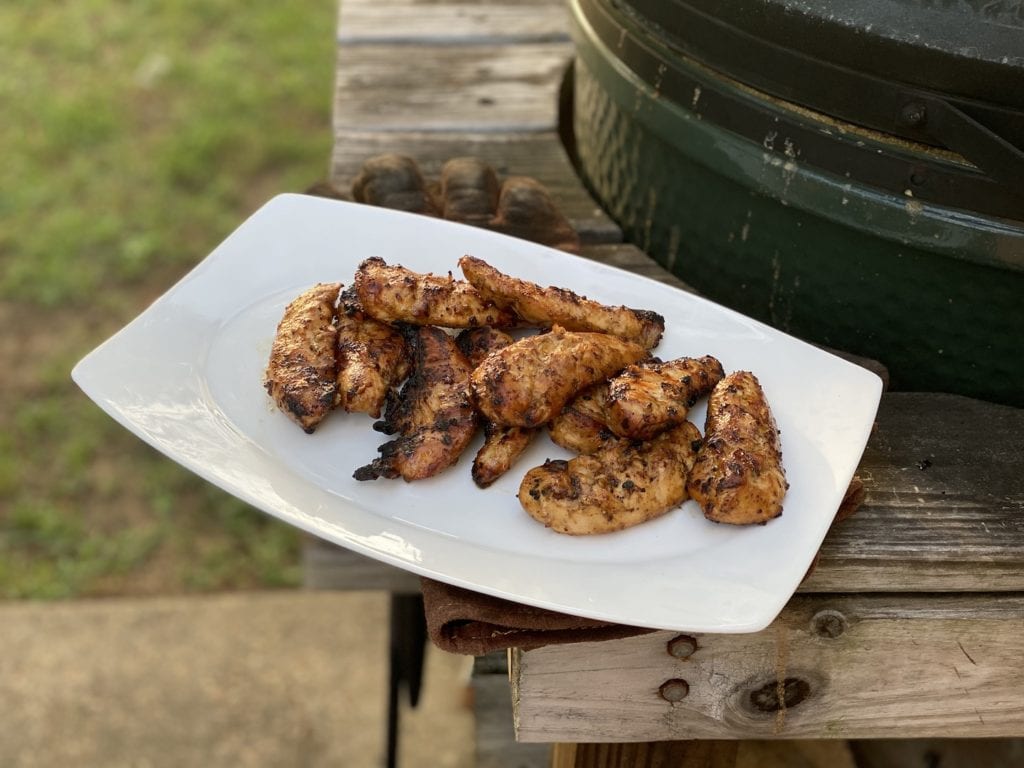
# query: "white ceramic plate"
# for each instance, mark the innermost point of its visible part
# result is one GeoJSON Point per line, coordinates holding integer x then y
{"type": "Point", "coordinates": [185, 376]}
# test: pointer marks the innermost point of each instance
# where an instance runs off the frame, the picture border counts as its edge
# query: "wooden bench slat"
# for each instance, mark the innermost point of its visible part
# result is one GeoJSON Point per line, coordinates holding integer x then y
{"type": "Point", "coordinates": [480, 88]}
{"type": "Point", "coordinates": [328, 566]}
{"type": "Point", "coordinates": [945, 502]}
{"type": "Point", "coordinates": [850, 666]}
{"type": "Point", "coordinates": [370, 22]}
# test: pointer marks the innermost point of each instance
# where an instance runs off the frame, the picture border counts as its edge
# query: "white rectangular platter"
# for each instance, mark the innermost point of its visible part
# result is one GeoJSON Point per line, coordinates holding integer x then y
{"type": "Point", "coordinates": [186, 377]}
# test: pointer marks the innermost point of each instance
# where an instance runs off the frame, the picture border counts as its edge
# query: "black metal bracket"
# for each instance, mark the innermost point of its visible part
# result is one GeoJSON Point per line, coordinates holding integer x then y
{"type": "Point", "coordinates": [407, 629]}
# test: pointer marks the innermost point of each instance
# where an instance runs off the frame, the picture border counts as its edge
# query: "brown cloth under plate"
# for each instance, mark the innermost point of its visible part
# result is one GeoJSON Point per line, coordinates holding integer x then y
{"type": "Point", "coordinates": [462, 621]}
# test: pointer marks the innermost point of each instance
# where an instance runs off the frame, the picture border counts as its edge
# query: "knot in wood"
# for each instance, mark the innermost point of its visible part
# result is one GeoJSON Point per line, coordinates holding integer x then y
{"type": "Point", "coordinates": [682, 646]}
{"type": "Point", "coordinates": [828, 623]}
{"type": "Point", "coordinates": [674, 690]}
{"type": "Point", "coordinates": [773, 696]}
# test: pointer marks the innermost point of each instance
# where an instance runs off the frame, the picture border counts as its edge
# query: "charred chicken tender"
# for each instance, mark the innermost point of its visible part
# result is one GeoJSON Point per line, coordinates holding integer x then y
{"type": "Point", "coordinates": [477, 343]}
{"type": "Point", "coordinates": [547, 307]}
{"type": "Point", "coordinates": [650, 397]}
{"type": "Point", "coordinates": [738, 477]}
{"type": "Point", "coordinates": [395, 294]}
{"type": "Point", "coordinates": [582, 424]}
{"type": "Point", "coordinates": [502, 445]}
{"type": "Point", "coordinates": [372, 358]}
{"type": "Point", "coordinates": [623, 484]}
{"type": "Point", "coordinates": [527, 383]}
{"type": "Point", "coordinates": [432, 414]}
{"type": "Point", "coordinates": [300, 375]}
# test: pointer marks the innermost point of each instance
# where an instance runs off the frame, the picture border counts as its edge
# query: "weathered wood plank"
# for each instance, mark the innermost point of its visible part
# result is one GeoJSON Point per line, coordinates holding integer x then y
{"type": "Point", "coordinates": [496, 746]}
{"type": "Point", "coordinates": [820, 753]}
{"type": "Point", "coordinates": [905, 666]}
{"type": "Point", "coordinates": [538, 155]}
{"type": "Point", "coordinates": [678, 754]}
{"type": "Point", "coordinates": [327, 566]}
{"type": "Point", "coordinates": [944, 509]}
{"type": "Point", "coordinates": [370, 22]}
{"type": "Point", "coordinates": [470, 88]}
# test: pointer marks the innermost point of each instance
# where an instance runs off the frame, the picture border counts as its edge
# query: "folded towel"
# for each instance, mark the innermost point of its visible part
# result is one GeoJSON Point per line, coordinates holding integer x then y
{"type": "Point", "coordinates": [462, 621]}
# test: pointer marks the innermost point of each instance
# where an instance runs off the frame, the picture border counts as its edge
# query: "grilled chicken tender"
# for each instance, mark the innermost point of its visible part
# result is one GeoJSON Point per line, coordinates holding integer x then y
{"type": "Point", "coordinates": [527, 383]}
{"type": "Point", "coordinates": [372, 358]}
{"type": "Point", "coordinates": [300, 375]}
{"type": "Point", "coordinates": [546, 307]}
{"type": "Point", "coordinates": [738, 477]}
{"type": "Point", "coordinates": [625, 483]}
{"type": "Point", "coordinates": [433, 412]}
{"type": "Point", "coordinates": [396, 294]}
{"type": "Point", "coordinates": [648, 398]}
{"type": "Point", "coordinates": [582, 424]}
{"type": "Point", "coordinates": [502, 445]}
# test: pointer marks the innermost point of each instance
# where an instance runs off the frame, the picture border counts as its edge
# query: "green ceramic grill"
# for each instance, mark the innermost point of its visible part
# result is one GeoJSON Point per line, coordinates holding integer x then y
{"type": "Point", "coordinates": [853, 177]}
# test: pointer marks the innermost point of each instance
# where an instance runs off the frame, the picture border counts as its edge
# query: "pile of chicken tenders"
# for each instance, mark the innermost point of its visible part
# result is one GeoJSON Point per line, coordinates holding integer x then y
{"type": "Point", "coordinates": [382, 347]}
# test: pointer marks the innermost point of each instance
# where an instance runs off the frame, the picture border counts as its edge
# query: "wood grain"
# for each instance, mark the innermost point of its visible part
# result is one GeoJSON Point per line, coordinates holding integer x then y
{"type": "Point", "coordinates": [666, 754]}
{"type": "Point", "coordinates": [474, 88]}
{"type": "Point", "coordinates": [905, 666]}
{"type": "Point", "coordinates": [944, 509]}
{"type": "Point", "coordinates": [328, 566]}
{"type": "Point", "coordinates": [370, 22]}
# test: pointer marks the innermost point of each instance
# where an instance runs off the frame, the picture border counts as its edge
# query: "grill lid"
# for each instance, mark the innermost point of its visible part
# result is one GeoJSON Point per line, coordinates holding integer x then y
{"type": "Point", "coordinates": [946, 73]}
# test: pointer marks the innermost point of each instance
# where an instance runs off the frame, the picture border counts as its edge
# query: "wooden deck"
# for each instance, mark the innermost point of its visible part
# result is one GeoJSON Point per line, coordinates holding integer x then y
{"type": "Point", "coordinates": [911, 624]}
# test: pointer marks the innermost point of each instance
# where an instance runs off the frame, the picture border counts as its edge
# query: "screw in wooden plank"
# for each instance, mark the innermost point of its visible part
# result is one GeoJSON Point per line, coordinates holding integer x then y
{"type": "Point", "coordinates": [674, 690]}
{"type": "Point", "coordinates": [828, 624]}
{"type": "Point", "coordinates": [682, 646]}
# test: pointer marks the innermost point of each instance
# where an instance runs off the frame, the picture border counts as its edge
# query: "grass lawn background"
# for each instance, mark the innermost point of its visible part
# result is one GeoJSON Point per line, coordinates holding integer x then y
{"type": "Point", "coordinates": [136, 136]}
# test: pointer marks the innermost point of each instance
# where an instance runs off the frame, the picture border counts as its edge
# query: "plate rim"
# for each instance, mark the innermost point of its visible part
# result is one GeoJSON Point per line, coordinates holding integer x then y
{"type": "Point", "coordinates": [85, 374]}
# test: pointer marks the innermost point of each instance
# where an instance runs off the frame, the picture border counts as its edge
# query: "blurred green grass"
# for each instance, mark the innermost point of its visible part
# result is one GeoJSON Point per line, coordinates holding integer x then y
{"type": "Point", "coordinates": [136, 136]}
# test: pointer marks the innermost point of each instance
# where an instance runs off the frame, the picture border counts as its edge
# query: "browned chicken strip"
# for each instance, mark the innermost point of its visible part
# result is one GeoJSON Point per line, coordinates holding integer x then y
{"type": "Point", "coordinates": [502, 445]}
{"type": "Point", "coordinates": [648, 398]}
{"type": "Point", "coordinates": [625, 483]}
{"type": "Point", "coordinates": [527, 384]}
{"type": "Point", "coordinates": [738, 477]}
{"type": "Point", "coordinates": [545, 307]}
{"type": "Point", "coordinates": [300, 375]}
{"type": "Point", "coordinates": [433, 412]}
{"type": "Point", "coordinates": [582, 424]}
{"type": "Point", "coordinates": [477, 343]}
{"type": "Point", "coordinates": [372, 358]}
{"type": "Point", "coordinates": [396, 294]}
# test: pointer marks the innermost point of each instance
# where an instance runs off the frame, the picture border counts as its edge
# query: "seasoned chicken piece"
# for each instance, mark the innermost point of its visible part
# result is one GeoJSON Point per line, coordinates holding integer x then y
{"type": "Point", "coordinates": [526, 384]}
{"type": "Point", "coordinates": [396, 294]}
{"type": "Point", "coordinates": [648, 398]}
{"type": "Point", "coordinates": [372, 358]}
{"type": "Point", "coordinates": [433, 412]}
{"type": "Point", "coordinates": [623, 484]}
{"type": "Point", "coordinates": [477, 343]}
{"type": "Point", "coordinates": [545, 307]}
{"type": "Point", "coordinates": [738, 477]}
{"type": "Point", "coordinates": [582, 424]}
{"type": "Point", "coordinates": [502, 445]}
{"type": "Point", "coordinates": [300, 375]}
